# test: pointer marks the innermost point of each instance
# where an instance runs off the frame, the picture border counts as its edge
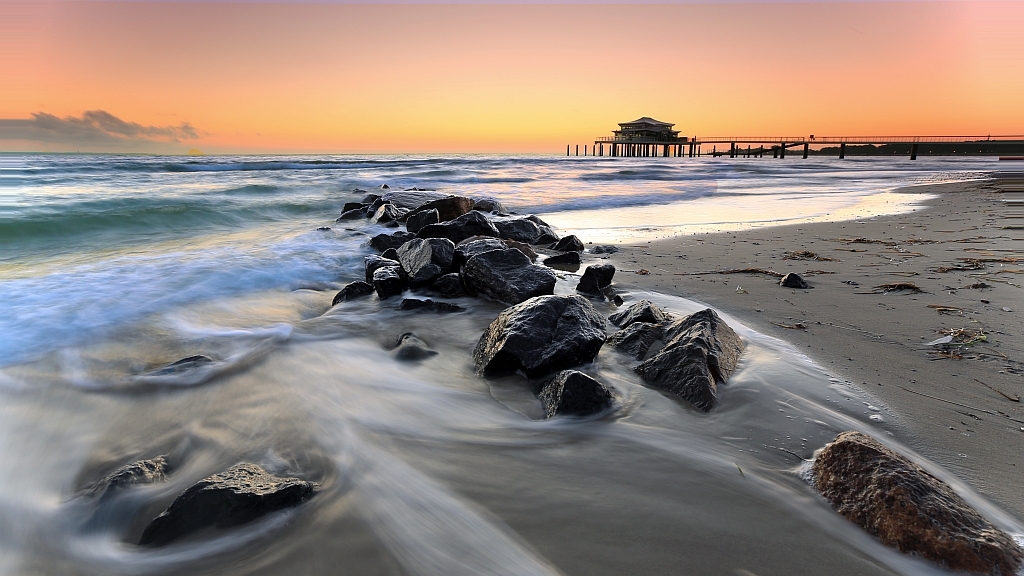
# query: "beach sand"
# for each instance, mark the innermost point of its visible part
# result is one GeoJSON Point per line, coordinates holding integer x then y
{"type": "Point", "coordinates": [950, 410]}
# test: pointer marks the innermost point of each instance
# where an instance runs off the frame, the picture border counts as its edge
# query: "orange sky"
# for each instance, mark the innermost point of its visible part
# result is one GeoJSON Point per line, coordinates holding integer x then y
{"type": "Point", "coordinates": [508, 78]}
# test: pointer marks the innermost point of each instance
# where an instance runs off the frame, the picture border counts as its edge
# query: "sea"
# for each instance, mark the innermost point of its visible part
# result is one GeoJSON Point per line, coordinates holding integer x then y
{"type": "Point", "coordinates": [113, 267]}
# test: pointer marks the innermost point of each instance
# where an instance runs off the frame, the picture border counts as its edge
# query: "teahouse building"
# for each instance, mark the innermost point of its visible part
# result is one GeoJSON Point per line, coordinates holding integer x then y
{"type": "Point", "coordinates": [646, 130]}
{"type": "Point", "coordinates": [642, 137]}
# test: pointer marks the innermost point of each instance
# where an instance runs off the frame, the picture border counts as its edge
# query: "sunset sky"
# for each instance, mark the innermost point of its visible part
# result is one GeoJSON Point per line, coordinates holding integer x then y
{"type": "Point", "coordinates": [473, 77]}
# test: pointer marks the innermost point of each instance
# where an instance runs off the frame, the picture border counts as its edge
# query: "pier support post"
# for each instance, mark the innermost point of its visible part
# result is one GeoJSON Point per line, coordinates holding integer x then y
{"type": "Point", "coordinates": [806, 148]}
{"type": "Point", "coordinates": [913, 151]}
{"type": "Point", "coordinates": [732, 150]}
{"type": "Point", "coordinates": [782, 151]}
{"type": "Point", "coordinates": [842, 150]}
{"type": "Point", "coordinates": [577, 149]}
{"type": "Point", "coordinates": [567, 149]}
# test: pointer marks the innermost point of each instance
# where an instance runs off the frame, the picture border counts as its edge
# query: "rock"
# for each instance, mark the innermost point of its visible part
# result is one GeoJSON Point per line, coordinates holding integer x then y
{"type": "Point", "coordinates": [382, 242]}
{"type": "Point", "coordinates": [370, 199]}
{"type": "Point", "coordinates": [352, 291]}
{"type": "Point", "coordinates": [387, 213]}
{"type": "Point", "coordinates": [349, 206]}
{"type": "Point", "coordinates": [373, 262]}
{"type": "Point", "coordinates": [642, 311]}
{"type": "Point", "coordinates": [448, 207]}
{"type": "Point", "coordinates": [372, 208]}
{"type": "Point", "coordinates": [470, 224]}
{"type": "Point", "coordinates": [390, 254]}
{"type": "Point", "coordinates": [183, 365]}
{"type": "Point", "coordinates": [429, 305]}
{"type": "Point", "coordinates": [518, 229]}
{"type": "Point", "coordinates": [410, 347]}
{"type": "Point", "coordinates": [547, 236]}
{"type": "Point", "coordinates": [907, 508]}
{"type": "Point", "coordinates": [539, 336]}
{"type": "Point", "coordinates": [236, 496]}
{"type": "Point", "coordinates": [573, 393]}
{"type": "Point", "coordinates": [140, 472]}
{"type": "Point", "coordinates": [701, 351]}
{"type": "Point", "coordinates": [426, 259]}
{"type": "Point", "coordinates": [385, 187]}
{"type": "Point", "coordinates": [522, 247]}
{"type": "Point", "coordinates": [792, 280]}
{"type": "Point", "coordinates": [569, 243]}
{"type": "Point", "coordinates": [417, 221]}
{"type": "Point", "coordinates": [324, 229]}
{"type": "Point", "coordinates": [568, 261]}
{"type": "Point", "coordinates": [617, 300]}
{"type": "Point", "coordinates": [638, 339]}
{"type": "Point", "coordinates": [412, 199]}
{"type": "Point", "coordinates": [352, 215]}
{"type": "Point", "coordinates": [449, 286]}
{"type": "Point", "coordinates": [536, 220]}
{"type": "Point", "coordinates": [475, 245]}
{"type": "Point", "coordinates": [604, 249]}
{"type": "Point", "coordinates": [596, 278]}
{"type": "Point", "coordinates": [489, 205]}
{"type": "Point", "coordinates": [506, 276]}
{"type": "Point", "coordinates": [387, 281]}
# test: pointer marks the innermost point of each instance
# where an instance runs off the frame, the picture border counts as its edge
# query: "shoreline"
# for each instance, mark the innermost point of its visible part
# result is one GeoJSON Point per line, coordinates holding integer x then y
{"type": "Point", "coordinates": [956, 412]}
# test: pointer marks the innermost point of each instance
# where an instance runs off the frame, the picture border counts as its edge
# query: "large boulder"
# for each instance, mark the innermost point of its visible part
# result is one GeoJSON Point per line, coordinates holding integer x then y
{"type": "Point", "coordinates": [568, 243]}
{"type": "Point", "coordinates": [388, 282]}
{"type": "Point", "coordinates": [470, 224]}
{"type": "Point", "coordinates": [523, 247]}
{"type": "Point", "coordinates": [517, 228]}
{"type": "Point", "coordinates": [638, 339]}
{"type": "Point", "coordinates": [507, 275]}
{"type": "Point", "coordinates": [382, 242]}
{"type": "Point", "coordinates": [417, 221]}
{"type": "Point", "coordinates": [475, 245]}
{"type": "Point", "coordinates": [490, 205]}
{"type": "Point", "coordinates": [907, 508]}
{"type": "Point", "coordinates": [139, 472]}
{"type": "Point", "coordinates": [353, 290]}
{"type": "Point", "coordinates": [573, 393]}
{"type": "Point", "coordinates": [415, 201]}
{"type": "Point", "coordinates": [596, 279]}
{"type": "Point", "coordinates": [449, 286]}
{"type": "Point", "coordinates": [642, 311]}
{"type": "Point", "coordinates": [387, 212]}
{"type": "Point", "coordinates": [568, 261]}
{"type": "Point", "coordinates": [701, 351]}
{"type": "Point", "coordinates": [411, 199]}
{"type": "Point", "coordinates": [239, 495]}
{"type": "Point", "coordinates": [372, 262]}
{"type": "Point", "coordinates": [352, 206]}
{"type": "Point", "coordinates": [539, 336]}
{"type": "Point", "coordinates": [426, 259]}
{"type": "Point", "coordinates": [353, 214]}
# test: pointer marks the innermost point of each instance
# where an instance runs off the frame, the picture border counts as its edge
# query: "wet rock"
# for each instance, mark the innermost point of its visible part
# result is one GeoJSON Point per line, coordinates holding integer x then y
{"type": "Point", "coordinates": [489, 205]}
{"type": "Point", "coordinates": [547, 236]}
{"type": "Point", "coordinates": [412, 199]}
{"type": "Point", "coordinates": [385, 187]}
{"type": "Point", "coordinates": [140, 472]}
{"type": "Point", "coordinates": [522, 247]}
{"type": "Point", "coordinates": [449, 286]}
{"type": "Point", "coordinates": [596, 279]}
{"type": "Point", "coordinates": [536, 220]}
{"type": "Point", "coordinates": [410, 347]}
{"type": "Point", "coordinates": [386, 213]}
{"type": "Point", "coordinates": [373, 262]}
{"type": "Point", "coordinates": [507, 276]}
{"type": "Point", "coordinates": [448, 207]}
{"type": "Point", "coordinates": [352, 291]}
{"type": "Point", "coordinates": [475, 245]}
{"type": "Point", "coordinates": [701, 351]}
{"type": "Point", "coordinates": [470, 224]}
{"type": "Point", "coordinates": [604, 249]}
{"type": "Point", "coordinates": [390, 254]}
{"type": "Point", "coordinates": [382, 242]}
{"type": "Point", "coordinates": [540, 336]}
{"type": "Point", "coordinates": [569, 243]}
{"type": "Point", "coordinates": [417, 221]}
{"type": "Point", "coordinates": [239, 495]}
{"type": "Point", "coordinates": [183, 365]}
{"type": "Point", "coordinates": [518, 229]}
{"type": "Point", "coordinates": [370, 199]}
{"type": "Point", "coordinates": [429, 305]}
{"type": "Point", "coordinates": [792, 280]}
{"type": "Point", "coordinates": [573, 393]}
{"type": "Point", "coordinates": [426, 259]}
{"type": "Point", "coordinates": [388, 282]}
{"type": "Point", "coordinates": [638, 339]}
{"type": "Point", "coordinates": [349, 206]}
{"type": "Point", "coordinates": [642, 311]}
{"type": "Point", "coordinates": [568, 261]}
{"type": "Point", "coordinates": [907, 508]}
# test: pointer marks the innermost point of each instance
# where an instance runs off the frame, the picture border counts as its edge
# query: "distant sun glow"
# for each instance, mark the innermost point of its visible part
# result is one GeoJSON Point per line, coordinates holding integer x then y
{"type": "Point", "coordinates": [237, 77]}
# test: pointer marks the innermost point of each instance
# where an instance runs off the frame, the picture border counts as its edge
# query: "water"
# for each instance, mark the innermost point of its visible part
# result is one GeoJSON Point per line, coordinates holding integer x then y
{"type": "Point", "coordinates": [114, 266]}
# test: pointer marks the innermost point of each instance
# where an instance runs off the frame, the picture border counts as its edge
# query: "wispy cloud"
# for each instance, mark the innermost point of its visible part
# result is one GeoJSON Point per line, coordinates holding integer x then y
{"type": "Point", "coordinates": [94, 128]}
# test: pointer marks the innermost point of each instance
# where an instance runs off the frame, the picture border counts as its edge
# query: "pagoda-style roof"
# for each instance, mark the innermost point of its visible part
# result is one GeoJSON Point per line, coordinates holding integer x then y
{"type": "Point", "coordinates": [648, 121]}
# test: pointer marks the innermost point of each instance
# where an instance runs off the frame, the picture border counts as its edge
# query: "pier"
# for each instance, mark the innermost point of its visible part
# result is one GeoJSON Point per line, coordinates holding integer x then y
{"type": "Point", "coordinates": [646, 137]}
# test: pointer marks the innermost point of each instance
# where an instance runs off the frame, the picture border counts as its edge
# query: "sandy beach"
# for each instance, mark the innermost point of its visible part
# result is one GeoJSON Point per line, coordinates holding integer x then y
{"type": "Point", "coordinates": [956, 405]}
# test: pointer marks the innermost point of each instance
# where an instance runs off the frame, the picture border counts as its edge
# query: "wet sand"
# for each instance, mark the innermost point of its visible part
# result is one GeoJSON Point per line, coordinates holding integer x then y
{"type": "Point", "coordinates": [952, 411]}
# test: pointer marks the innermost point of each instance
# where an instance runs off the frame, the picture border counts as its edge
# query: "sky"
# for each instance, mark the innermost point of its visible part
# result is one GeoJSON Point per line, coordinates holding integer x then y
{"type": "Point", "coordinates": [411, 77]}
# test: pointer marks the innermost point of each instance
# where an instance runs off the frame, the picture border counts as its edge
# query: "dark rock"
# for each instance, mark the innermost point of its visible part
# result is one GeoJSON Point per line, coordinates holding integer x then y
{"type": "Point", "coordinates": [617, 300]}
{"type": "Point", "coordinates": [792, 280]}
{"type": "Point", "coordinates": [370, 199]}
{"type": "Point", "coordinates": [596, 278]}
{"type": "Point", "coordinates": [412, 199]}
{"type": "Point", "coordinates": [701, 351]}
{"type": "Point", "coordinates": [573, 393]}
{"type": "Point", "coordinates": [642, 311]}
{"type": "Point", "coordinates": [569, 261]}
{"type": "Point", "coordinates": [604, 249]}
{"type": "Point", "coordinates": [390, 254]}
{"type": "Point", "coordinates": [448, 207]}
{"type": "Point", "coordinates": [417, 221]}
{"type": "Point", "coordinates": [540, 336]}
{"type": "Point", "coordinates": [639, 340]}
{"type": "Point", "coordinates": [410, 347]}
{"type": "Point", "coordinates": [352, 291]}
{"type": "Point", "coordinates": [536, 220]}
{"type": "Point", "coordinates": [183, 365]}
{"type": "Point", "coordinates": [907, 508]}
{"type": "Point", "coordinates": [490, 205]}
{"type": "Point", "coordinates": [140, 472]}
{"type": "Point", "coordinates": [239, 495]}
{"type": "Point", "coordinates": [507, 276]}
{"type": "Point", "coordinates": [547, 237]}
{"type": "Point", "coordinates": [429, 305]}
{"type": "Point", "coordinates": [387, 281]}
{"type": "Point", "coordinates": [386, 213]}
{"type": "Point", "coordinates": [358, 191]}
{"type": "Point", "coordinates": [382, 242]}
{"type": "Point", "coordinates": [372, 208]}
{"type": "Point", "coordinates": [469, 224]}
{"type": "Point", "coordinates": [519, 229]}
{"type": "Point", "coordinates": [449, 286]}
{"type": "Point", "coordinates": [475, 245]}
{"type": "Point", "coordinates": [373, 262]}
{"type": "Point", "coordinates": [352, 206]}
{"type": "Point", "coordinates": [385, 187]}
{"type": "Point", "coordinates": [569, 243]}
{"type": "Point", "coordinates": [522, 247]}
{"type": "Point", "coordinates": [352, 214]}
{"type": "Point", "coordinates": [324, 229]}
{"type": "Point", "coordinates": [425, 259]}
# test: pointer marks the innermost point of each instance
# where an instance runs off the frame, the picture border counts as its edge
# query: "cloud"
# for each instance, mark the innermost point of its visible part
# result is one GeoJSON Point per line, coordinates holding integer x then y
{"type": "Point", "coordinates": [93, 128]}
